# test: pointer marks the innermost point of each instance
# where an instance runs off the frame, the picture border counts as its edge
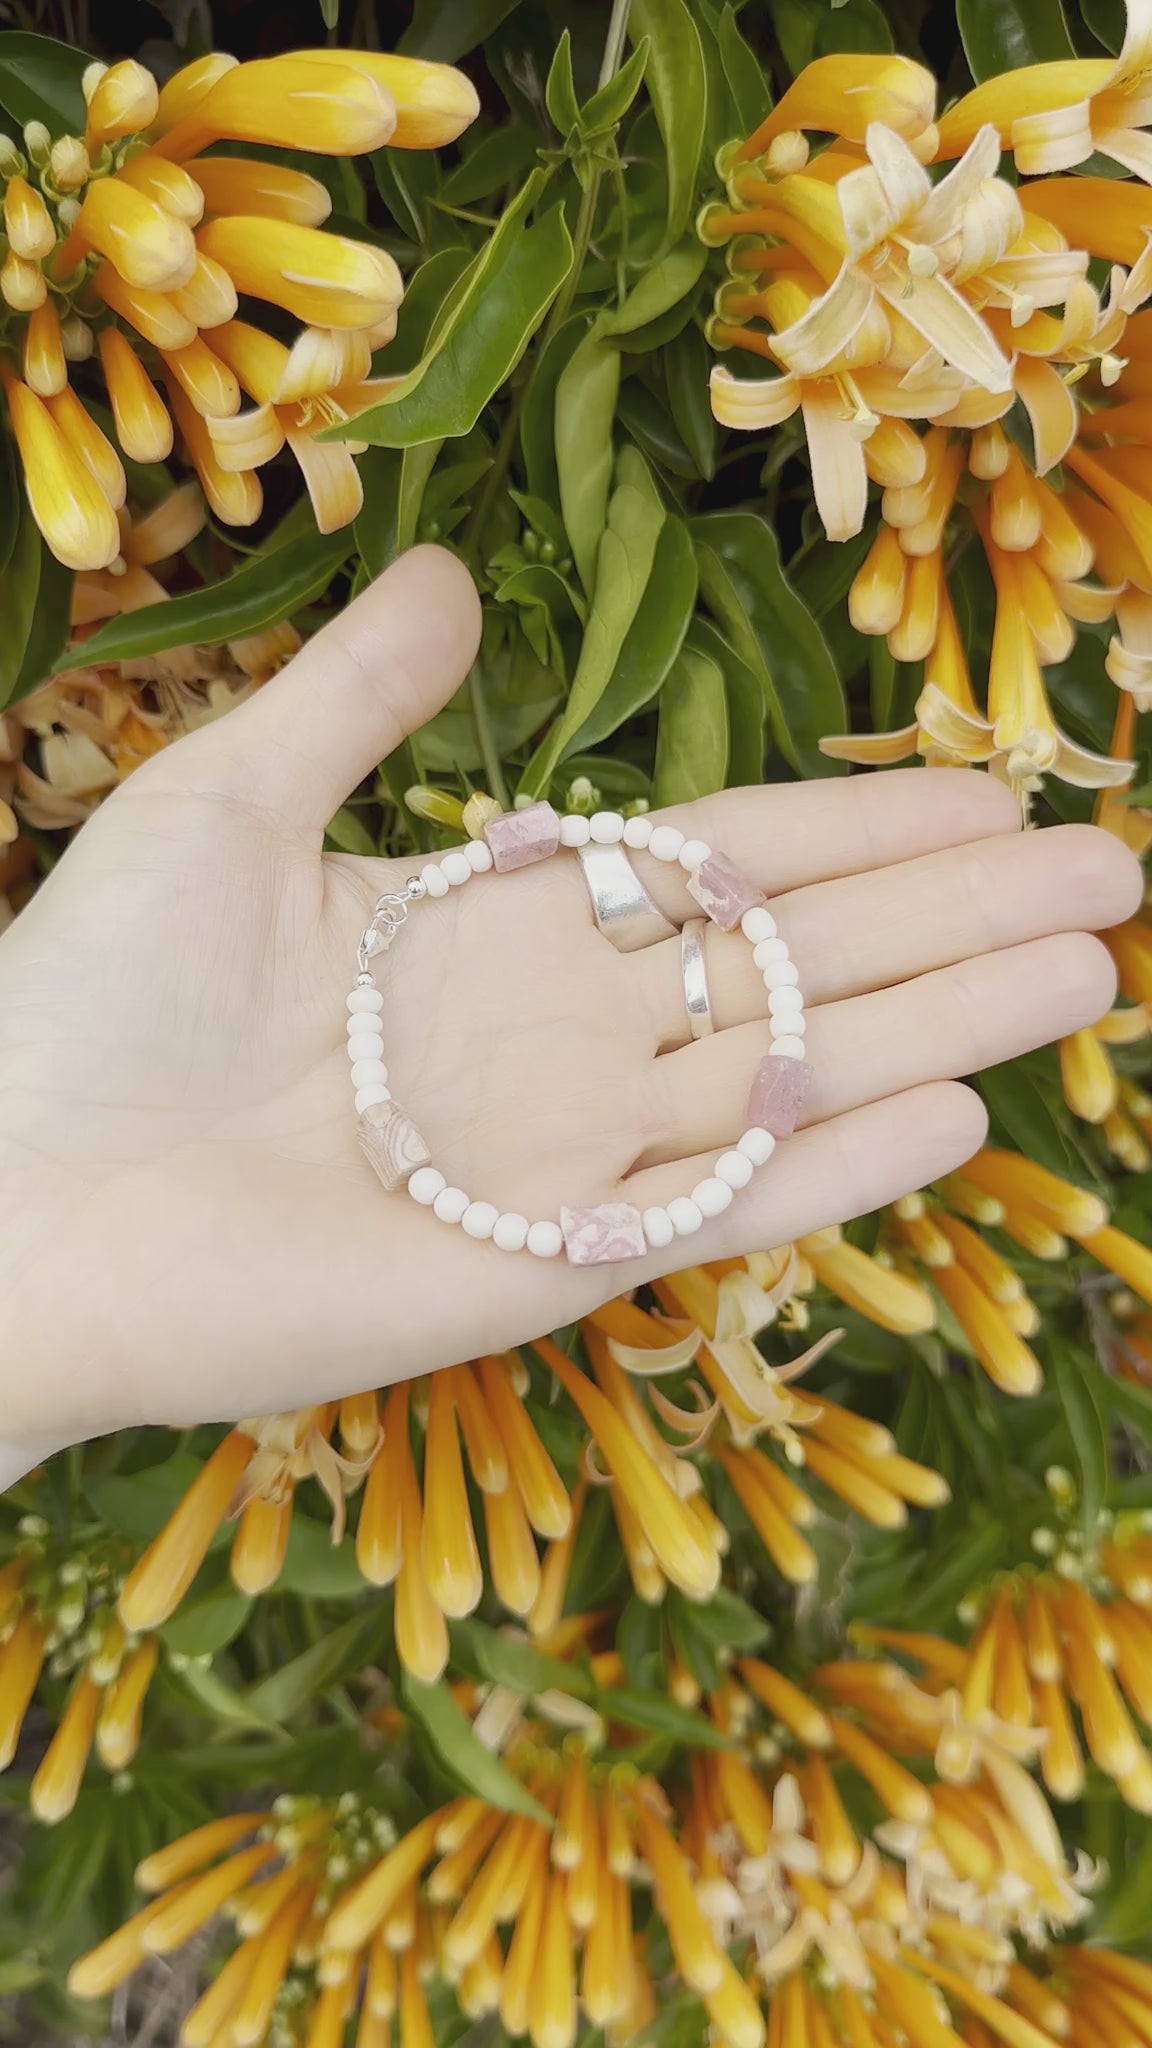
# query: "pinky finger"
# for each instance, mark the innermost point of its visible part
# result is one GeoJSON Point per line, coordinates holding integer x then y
{"type": "Point", "coordinates": [835, 1170]}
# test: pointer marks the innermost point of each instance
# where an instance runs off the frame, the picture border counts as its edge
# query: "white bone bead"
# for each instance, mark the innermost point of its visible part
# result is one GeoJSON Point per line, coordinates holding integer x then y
{"type": "Point", "coordinates": [510, 1231]}
{"type": "Point", "coordinates": [790, 1048]}
{"type": "Point", "coordinates": [638, 830]}
{"type": "Point", "coordinates": [757, 1145]}
{"type": "Point", "coordinates": [434, 880]}
{"type": "Point", "coordinates": [659, 1229]}
{"type": "Point", "coordinates": [450, 1205]}
{"type": "Point", "coordinates": [686, 1217]}
{"type": "Point", "coordinates": [769, 950]}
{"type": "Point", "coordinates": [364, 999]}
{"type": "Point", "coordinates": [373, 1091]}
{"type": "Point", "coordinates": [369, 1073]}
{"type": "Point", "coordinates": [479, 1219]}
{"type": "Point", "coordinates": [545, 1240]}
{"type": "Point", "coordinates": [712, 1196]}
{"type": "Point", "coordinates": [456, 867]}
{"type": "Point", "coordinates": [734, 1167]}
{"type": "Point", "coordinates": [366, 1045]}
{"type": "Point", "coordinates": [781, 1000]}
{"type": "Point", "coordinates": [692, 853]}
{"type": "Point", "coordinates": [606, 829]}
{"type": "Point", "coordinates": [666, 842]}
{"type": "Point", "coordinates": [575, 830]}
{"type": "Point", "coordinates": [426, 1183]}
{"type": "Point", "coordinates": [478, 856]}
{"type": "Point", "coordinates": [781, 974]}
{"type": "Point", "coordinates": [791, 1024]}
{"type": "Point", "coordinates": [757, 924]}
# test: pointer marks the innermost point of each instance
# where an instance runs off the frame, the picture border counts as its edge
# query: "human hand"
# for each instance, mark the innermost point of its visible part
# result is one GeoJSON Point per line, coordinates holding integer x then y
{"type": "Point", "coordinates": [190, 1230]}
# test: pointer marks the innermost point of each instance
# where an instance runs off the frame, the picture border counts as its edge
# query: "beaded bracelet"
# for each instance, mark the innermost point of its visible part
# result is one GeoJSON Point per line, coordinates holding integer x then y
{"type": "Point", "coordinates": [607, 1231]}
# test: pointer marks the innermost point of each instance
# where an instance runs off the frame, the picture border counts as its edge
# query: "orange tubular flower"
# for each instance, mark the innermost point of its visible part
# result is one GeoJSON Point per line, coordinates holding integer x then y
{"type": "Point", "coordinates": [127, 236]}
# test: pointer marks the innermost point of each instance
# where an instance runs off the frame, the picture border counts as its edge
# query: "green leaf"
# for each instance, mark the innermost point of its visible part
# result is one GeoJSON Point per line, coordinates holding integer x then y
{"type": "Point", "coordinates": [600, 115]}
{"type": "Point", "coordinates": [506, 291]}
{"type": "Point", "coordinates": [221, 1701]}
{"type": "Point", "coordinates": [445, 34]}
{"type": "Point", "coordinates": [498, 159]}
{"type": "Point", "coordinates": [519, 691]}
{"type": "Point", "coordinates": [664, 285]}
{"type": "Point", "coordinates": [19, 591]}
{"type": "Point", "coordinates": [139, 1503]}
{"type": "Point", "coordinates": [208, 1621]}
{"type": "Point", "coordinates": [743, 73]}
{"type": "Point", "coordinates": [40, 81]}
{"type": "Point", "coordinates": [51, 626]}
{"type": "Point", "coordinates": [349, 834]}
{"type": "Point", "coordinates": [538, 414]}
{"type": "Point", "coordinates": [653, 640]}
{"type": "Point", "coordinates": [663, 1716]}
{"type": "Point", "coordinates": [463, 1755]}
{"type": "Point", "coordinates": [510, 1660]}
{"type": "Point", "coordinates": [265, 589]}
{"type": "Point", "coordinates": [585, 408]}
{"type": "Point", "coordinates": [560, 90]}
{"type": "Point", "coordinates": [394, 480]}
{"type": "Point", "coordinates": [1033, 1117]}
{"type": "Point", "coordinates": [317, 1568]}
{"type": "Point", "coordinates": [11, 498]}
{"type": "Point", "coordinates": [729, 1622]}
{"type": "Point", "coordinates": [678, 89]}
{"type": "Point", "coordinates": [686, 363]}
{"type": "Point", "coordinates": [406, 181]}
{"type": "Point", "coordinates": [999, 37]}
{"type": "Point", "coordinates": [346, 1649]}
{"type": "Point", "coordinates": [1075, 1382]}
{"type": "Point", "coordinates": [771, 630]}
{"type": "Point", "coordinates": [692, 736]}
{"type": "Point", "coordinates": [623, 566]}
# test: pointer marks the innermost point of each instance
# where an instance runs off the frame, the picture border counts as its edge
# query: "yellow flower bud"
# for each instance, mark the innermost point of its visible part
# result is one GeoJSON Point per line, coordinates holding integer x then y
{"type": "Point", "coordinates": [235, 184]}
{"type": "Point", "coordinates": [93, 73]}
{"type": "Point", "coordinates": [126, 99]}
{"type": "Point", "coordinates": [22, 284]}
{"type": "Point", "coordinates": [149, 247]}
{"type": "Point", "coordinates": [168, 184]}
{"type": "Point", "coordinates": [76, 339]}
{"type": "Point", "coordinates": [27, 221]}
{"type": "Point", "coordinates": [434, 102]}
{"type": "Point", "coordinates": [52, 1793]}
{"type": "Point", "coordinates": [275, 100]}
{"type": "Point", "coordinates": [326, 280]}
{"type": "Point", "coordinates": [45, 369]}
{"type": "Point", "coordinates": [1088, 1077]}
{"type": "Point", "coordinates": [69, 164]}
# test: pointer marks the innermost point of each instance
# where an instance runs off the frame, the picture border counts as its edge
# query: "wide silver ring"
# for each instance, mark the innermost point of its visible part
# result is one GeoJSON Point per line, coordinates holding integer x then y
{"type": "Point", "coordinates": [621, 905]}
{"type": "Point", "coordinates": [695, 978]}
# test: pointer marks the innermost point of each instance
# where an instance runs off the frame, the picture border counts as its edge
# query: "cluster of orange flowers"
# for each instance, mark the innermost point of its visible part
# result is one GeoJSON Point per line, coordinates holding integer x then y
{"type": "Point", "coordinates": [132, 243]}
{"type": "Point", "coordinates": [783, 1915]}
{"type": "Point", "coordinates": [890, 302]}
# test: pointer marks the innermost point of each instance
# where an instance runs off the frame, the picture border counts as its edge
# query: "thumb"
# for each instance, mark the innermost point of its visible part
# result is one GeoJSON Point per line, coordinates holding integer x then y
{"type": "Point", "coordinates": [372, 677]}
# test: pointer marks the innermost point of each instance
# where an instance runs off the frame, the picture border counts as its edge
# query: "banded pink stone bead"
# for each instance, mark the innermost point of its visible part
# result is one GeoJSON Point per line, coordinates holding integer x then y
{"type": "Point", "coordinates": [597, 1237]}
{"type": "Point", "coordinates": [777, 1096]}
{"type": "Point", "coordinates": [723, 891]}
{"type": "Point", "coordinates": [391, 1144]}
{"type": "Point", "coordinates": [517, 838]}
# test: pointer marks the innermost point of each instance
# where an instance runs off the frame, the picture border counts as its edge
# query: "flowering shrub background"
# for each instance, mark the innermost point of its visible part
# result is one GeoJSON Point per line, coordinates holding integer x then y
{"type": "Point", "coordinates": [723, 1663]}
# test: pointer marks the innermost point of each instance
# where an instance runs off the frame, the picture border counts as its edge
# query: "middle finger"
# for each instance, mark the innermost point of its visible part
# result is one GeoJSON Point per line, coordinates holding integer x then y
{"type": "Point", "coordinates": [865, 932]}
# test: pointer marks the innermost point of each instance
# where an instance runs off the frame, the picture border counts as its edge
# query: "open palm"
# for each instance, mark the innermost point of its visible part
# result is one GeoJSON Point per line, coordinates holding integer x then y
{"type": "Point", "coordinates": [190, 1231]}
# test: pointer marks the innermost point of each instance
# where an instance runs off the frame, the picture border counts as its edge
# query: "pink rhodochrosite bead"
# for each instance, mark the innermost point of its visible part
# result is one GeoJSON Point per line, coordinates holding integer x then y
{"type": "Point", "coordinates": [777, 1095]}
{"type": "Point", "coordinates": [596, 1237]}
{"type": "Point", "coordinates": [518, 838]}
{"type": "Point", "coordinates": [723, 891]}
{"type": "Point", "coordinates": [391, 1144]}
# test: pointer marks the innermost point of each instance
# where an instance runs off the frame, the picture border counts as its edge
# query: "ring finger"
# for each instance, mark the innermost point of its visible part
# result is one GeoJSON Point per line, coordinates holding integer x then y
{"type": "Point", "coordinates": [938, 1027]}
{"type": "Point", "coordinates": [872, 931]}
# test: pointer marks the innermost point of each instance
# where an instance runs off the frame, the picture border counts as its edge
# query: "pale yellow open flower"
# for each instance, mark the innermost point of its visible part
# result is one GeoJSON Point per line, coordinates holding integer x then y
{"type": "Point", "coordinates": [1053, 116]}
